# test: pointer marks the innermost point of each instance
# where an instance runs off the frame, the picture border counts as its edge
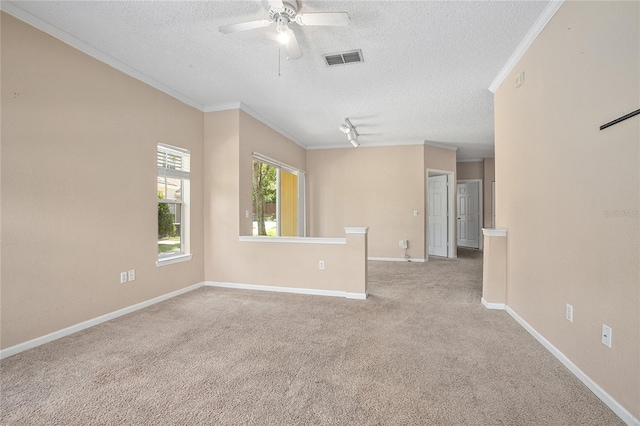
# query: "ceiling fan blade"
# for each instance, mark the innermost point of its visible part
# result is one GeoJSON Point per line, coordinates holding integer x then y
{"type": "Point", "coordinates": [336, 19]}
{"type": "Point", "coordinates": [293, 48]}
{"type": "Point", "coordinates": [276, 4]}
{"type": "Point", "coordinates": [244, 26]}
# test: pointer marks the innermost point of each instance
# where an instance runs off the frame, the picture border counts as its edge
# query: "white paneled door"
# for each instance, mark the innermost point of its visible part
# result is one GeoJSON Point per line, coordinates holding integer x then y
{"type": "Point", "coordinates": [437, 228]}
{"type": "Point", "coordinates": [469, 214]}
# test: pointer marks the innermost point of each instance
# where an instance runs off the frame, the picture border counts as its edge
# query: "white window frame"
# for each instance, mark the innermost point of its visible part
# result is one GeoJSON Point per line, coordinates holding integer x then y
{"type": "Point", "coordinates": [176, 168]}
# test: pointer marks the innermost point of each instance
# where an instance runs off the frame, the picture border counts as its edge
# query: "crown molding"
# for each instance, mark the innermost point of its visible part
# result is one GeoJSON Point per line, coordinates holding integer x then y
{"type": "Point", "coordinates": [253, 113]}
{"type": "Point", "coordinates": [23, 15]}
{"type": "Point", "coordinates": [469, 160]}
{"type": "Point", "coordinates": [528, 40]}
{"type": "Point", "coordinates": [223, 107]}
{"type": "Point", "coordinates": [441, 145]}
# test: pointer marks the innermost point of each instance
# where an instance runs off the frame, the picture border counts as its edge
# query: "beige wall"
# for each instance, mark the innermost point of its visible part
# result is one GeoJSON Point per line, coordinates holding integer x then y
{"type": "Point", "coordinates": [485, 171]}
{"type": "Point", "coordinates": [221, 200]}
{"type": "Point", "coordinates": [437, 158]}
{"type": "Point", "coordinates": [558, 179]}
{"type": "Point", "coordinates": [230, 138]}
{"type": "Point", "coordinates": [494, 269]}
{"type": "Point", "coordinates": [255, 136]}
{"type": "Point", "coordinates": [79, 186]}
{"type": "Point", "coordinates": [470, 170]}
{"type": "Point", "coordinates": [378, 187]}
{"type": "Point", "coordinates": [489, 170]}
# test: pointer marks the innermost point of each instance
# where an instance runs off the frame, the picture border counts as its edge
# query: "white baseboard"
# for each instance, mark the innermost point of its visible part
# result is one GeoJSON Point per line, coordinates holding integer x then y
{"type": "Point", "coordinates": [491, 305]}
{"type": "Point", "coordinates": [317, 292]}
{"type": "Point", "coordinates": [359, 296]}
{"type": "Point", "coordinates": [21, 347]}
{"type": "Point", "coordinates": [395, 259]}
{"type": "Point", "coordinates": [622, 412]}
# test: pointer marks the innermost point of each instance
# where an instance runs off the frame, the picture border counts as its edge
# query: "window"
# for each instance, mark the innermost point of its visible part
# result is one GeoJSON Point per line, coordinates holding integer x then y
{"type": "Point", "coordinates": [278, 198]}
{"type": "Point", "coordinates": [173, 202]}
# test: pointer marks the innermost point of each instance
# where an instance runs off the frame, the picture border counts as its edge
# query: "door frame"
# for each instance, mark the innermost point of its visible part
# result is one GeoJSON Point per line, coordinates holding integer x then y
{"type": "Point", "coordinates": [480, 208]}
{"type": "Point", "coordinates": [452, 250]}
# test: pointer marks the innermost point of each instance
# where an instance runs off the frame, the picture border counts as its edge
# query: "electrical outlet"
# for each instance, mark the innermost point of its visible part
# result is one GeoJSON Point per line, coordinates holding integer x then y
{"type": "Point", "coordinates": [132, 275]}
{"type": "Point", "coordinates": [569, 313]}
{"type": "Point", "coordinates": [246, 214]}
{"type": "Point", "coordinates": [606, 335]}
{"type": "Point", "coordinates": [403, 244]}
{"type": "Point", "coordinates": [123, 277]}
{"type": "Point", "coordinates": [415, 212]}
{"type": "Point", "coordinates": [321, 264]}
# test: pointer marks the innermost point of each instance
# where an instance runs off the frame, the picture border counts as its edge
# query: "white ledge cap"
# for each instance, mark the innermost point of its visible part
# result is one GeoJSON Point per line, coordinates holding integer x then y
{"type": "Point", "coordinates": [356, 229]}
{"type": "Point", "coordinates": [491, 232]}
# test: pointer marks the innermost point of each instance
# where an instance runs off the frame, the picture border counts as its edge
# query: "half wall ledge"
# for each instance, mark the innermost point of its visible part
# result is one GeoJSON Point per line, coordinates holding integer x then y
{"type": "Point", "coordinates": [321, 266]}
{"type": "Point", "coordinates": [494, 268]}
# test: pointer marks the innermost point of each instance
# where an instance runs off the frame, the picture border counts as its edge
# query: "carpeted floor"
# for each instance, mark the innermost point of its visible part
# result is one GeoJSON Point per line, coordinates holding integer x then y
{"type": "Point", "coordinates": [420, 350]}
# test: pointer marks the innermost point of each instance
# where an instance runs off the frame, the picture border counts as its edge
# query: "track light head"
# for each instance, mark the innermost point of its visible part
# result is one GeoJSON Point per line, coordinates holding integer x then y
{"type": "Point", "coordinates": [350, 130]}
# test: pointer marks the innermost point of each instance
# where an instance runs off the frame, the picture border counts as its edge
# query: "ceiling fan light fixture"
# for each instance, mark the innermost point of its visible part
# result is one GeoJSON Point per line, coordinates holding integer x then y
{"type": "Point", "coordinates": [283, 37]}
{"type": "Point", "coordinates": [282, 27]}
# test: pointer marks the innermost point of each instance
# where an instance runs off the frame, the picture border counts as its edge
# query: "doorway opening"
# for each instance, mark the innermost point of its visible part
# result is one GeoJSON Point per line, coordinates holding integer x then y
{"type": "Point", "coordinates": [278, 199]}
{"type": "Point", "coordinates": [469, 213]}
{"type": "Point", "coordinates": [440, 226]}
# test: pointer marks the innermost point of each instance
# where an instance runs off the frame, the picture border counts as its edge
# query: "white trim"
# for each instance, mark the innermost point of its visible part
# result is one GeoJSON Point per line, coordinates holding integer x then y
{"type": "Point", "coordinates": [356, 229]}
{"type": "Point", "coordinates": [21, 347]}
{"type": "Point", "coordinates": [491, 305]}
{"type": "Point", "coordinates": [17, 12]}
{"type": "Point", "coordinates": [441, 145]}
{"type": "Point", "coordinates": [396, 259]}
{"type": "Point", "coordinates": [296, 290]}
{"type": "Point", "coordinates": [270, 124]}
{"type": "Point", "coordinates": [526, 42]}
{"type": "Point", "coordinates": [173, 259]}
{"type": "Point", "coordinates": [275, 163]}
{"type": "Point", "coordinates": [623, 413]}
{"type": "Point", "coordinates": [480, 207]}
{"type": "Point", "coordinates": [222, 107]}
{"type": "Point", "coordinates": [469, 160]}
{"type": "Point", "coordinates": [294, 240]}
{"type": "Point", "coordinates": [244, 107]}
{"type": "Point", "coordinates": [490, 232]}
{"type": "Point", "coordinates": [452, 252]}
{"type": "Point", "coordinates": [358, 296]}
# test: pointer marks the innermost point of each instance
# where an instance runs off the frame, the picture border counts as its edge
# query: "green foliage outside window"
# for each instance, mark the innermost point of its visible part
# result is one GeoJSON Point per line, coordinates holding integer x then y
{"type": "Point", "coordinates": [166, 228]}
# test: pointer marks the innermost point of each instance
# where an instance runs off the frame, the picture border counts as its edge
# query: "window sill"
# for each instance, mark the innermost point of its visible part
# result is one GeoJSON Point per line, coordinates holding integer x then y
{"type": "Point", "coordinates": [173, 259]}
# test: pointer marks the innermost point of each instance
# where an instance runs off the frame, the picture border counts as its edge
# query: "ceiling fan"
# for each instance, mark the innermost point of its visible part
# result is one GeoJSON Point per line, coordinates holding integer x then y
{"type": "Point", "coordinates": [283, 13]}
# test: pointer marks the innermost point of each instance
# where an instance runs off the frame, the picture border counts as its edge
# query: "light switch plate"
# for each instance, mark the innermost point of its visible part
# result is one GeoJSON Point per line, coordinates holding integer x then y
{"type": "Point", "coordinates": [606, 335]}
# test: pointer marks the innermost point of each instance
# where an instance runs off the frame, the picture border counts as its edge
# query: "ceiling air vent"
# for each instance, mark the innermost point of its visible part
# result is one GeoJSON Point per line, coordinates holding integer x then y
{"type": "Point", "coordinates": [344, 58]}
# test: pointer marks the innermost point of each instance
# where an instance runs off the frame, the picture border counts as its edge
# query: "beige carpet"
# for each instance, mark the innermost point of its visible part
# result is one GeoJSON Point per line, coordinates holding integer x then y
{"type": "Point", "coordinates": [421, 350]}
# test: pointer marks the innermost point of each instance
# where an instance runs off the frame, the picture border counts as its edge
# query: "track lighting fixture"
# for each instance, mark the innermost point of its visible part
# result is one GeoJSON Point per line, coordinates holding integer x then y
{"type": "Point", "coordinates": [350, 130]}
{"type": "Point", "coordinates": [353, 139]}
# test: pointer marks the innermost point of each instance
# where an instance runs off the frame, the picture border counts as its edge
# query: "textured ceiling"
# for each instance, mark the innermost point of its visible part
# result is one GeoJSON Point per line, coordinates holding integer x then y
{"type": "Point", "coordinates": [427, 65]}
